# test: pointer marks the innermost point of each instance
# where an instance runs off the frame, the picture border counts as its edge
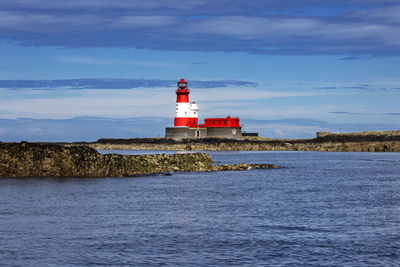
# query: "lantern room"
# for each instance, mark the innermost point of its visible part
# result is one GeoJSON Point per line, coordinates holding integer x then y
{"type": "Point", "coordinates": [182, 85]}
{"type": "Point", "coordinates": [182, 92]}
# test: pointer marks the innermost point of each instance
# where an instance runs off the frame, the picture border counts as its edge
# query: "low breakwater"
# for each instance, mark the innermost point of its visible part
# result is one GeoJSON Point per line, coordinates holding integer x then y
{"type": "Point", "coordinates": [54, 160]}
{"type": "Point", "coordinates": [340, 143]}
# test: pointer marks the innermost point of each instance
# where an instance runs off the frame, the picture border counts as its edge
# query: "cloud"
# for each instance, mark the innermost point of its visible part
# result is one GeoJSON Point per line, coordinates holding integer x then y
{"type": "Point", "coordinates": [346, 113]}
{"type": "Point", "coordinates": [362, 87]}
{"type": "Point", "coordinates": [80, 128]}
{"type": "Point", "coordinates": [392, 114]}
{"type": "Point", "coordinates": [132, 22]}
{"type": "Point", "coordinates": [93, 128]}
{"type": "Point", "coordinates": [87, 99]}
{"type": "Point", "coordinates": [154, 102]}
{"type": "Point", "coordinates": [109, 61]}
{"type": "Point", "coordinates": [358, 87]}
{"type": "Point", "coordinates": [268, 27]}
{"type": "Point", "coordinates": [101, 5]}
{"type": "Point", "coordinates": [109, 83]}
{"type": "Point", "coordinates": [189, 7]}
{"type": "Point", "coordinates": [327, 87]}
{"type": "Point", "coordinates": [388, 15]}
{"type": "Point", "coordinates": [107, 103]}
{"type": "Point", "coordinates": [198, 63]}
{"type": "Point", "coordinates": [226, 96]}
{"type": "Point", "coordinates": [351, 58]}
{"type": "Point", "coordinates": [82, 60]}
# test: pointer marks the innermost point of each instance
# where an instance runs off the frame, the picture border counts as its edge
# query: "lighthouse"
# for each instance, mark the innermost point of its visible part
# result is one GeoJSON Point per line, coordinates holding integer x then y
{"type": "Point", "coordinates": [186, 114]}
{"type": "Point", "coordinates": [186, 124]}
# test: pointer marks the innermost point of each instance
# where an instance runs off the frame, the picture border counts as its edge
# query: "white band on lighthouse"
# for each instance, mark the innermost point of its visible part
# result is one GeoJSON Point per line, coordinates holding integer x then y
{"type": "Point", "coordinates": [186, 110]}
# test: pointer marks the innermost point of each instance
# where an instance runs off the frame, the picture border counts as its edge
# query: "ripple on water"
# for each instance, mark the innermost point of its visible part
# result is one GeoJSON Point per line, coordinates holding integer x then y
{"type": "Point", "coordinates": [321, 209]}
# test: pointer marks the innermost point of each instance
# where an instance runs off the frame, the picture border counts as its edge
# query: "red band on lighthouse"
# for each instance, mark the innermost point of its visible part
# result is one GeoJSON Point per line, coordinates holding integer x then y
{"type": "Point", "coordinates": [189, 122]}
{"type": "Point", "coordinates": [182, 93]}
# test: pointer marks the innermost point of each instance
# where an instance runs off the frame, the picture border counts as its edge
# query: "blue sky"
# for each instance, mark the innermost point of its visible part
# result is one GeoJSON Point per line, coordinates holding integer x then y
{"type": "Point", "coordinates": [82, 70]}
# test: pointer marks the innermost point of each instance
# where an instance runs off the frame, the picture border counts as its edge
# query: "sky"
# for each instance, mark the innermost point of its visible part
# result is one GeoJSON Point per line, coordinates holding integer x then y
{"type": "Point", "coordinates": [88, 69]}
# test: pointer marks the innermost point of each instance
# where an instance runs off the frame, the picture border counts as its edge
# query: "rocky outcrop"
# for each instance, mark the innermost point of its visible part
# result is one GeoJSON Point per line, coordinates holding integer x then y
{"type": "Point", "coordinates": [52, 160]}
{"type": "Point", "coordinates": [363, 142]}
{"type": "Point", "coordinates": [242, 167]}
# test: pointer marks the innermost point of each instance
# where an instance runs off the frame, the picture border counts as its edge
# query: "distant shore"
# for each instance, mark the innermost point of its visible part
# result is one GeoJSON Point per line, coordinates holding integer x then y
{"type": "Point", "coordinates": [348, 142]}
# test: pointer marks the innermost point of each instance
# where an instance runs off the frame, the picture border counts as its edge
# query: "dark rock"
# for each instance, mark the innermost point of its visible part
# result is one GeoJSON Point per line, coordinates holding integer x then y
{"type": "Point", "coordinates": [243, 167]}
{"type": "Point", "coordinates": [52, 160]}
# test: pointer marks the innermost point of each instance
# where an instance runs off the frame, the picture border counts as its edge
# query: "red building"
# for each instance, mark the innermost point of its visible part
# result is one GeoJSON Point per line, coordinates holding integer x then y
{"type": "Point", "coordinates": [221, 122]}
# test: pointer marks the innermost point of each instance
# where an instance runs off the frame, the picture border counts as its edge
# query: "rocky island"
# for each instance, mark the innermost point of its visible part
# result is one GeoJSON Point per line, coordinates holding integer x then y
{"type": "Point", "coordinates": [348, 142]}
{"type": "Point", "coordinates": [55, 160]}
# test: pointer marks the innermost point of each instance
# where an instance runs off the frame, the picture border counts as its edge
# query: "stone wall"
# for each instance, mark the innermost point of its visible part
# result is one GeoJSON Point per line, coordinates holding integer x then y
{"type": "Point", "coordinates": [179, 133]}
{"type": "Point", "coordinates": [225, 132]}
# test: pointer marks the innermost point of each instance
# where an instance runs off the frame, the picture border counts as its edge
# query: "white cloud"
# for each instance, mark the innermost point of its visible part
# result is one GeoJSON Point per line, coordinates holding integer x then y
{"type": "Point", "coordinates": [259, 111]}
{"type": "Point", "coordinates": [82, 60]}
{"type": "Point", "coordinates": [385, 15]}
{"type": "Point", "coordinates": [365, 32]}
{"type": "Point", "coordinates": [136, 103]}
{"type": "Point", "coordinates": [48, 23]}
{"type": "Point", "coordinates": [55, 23]}
{"type": "Point", "coordinates": [120, 103]}
{"type": "Point", "coordinates": [109, 61]}
{"type": "Point", "coordinates": [243, 94]}
{"type": "Point", "coordinates": [271, 29]}
{"type": "Point", "coordinates": [249, 102]}
{"type": "Point", "coordinates": [143, 21]}
{"type": "Point", "coordinates": [256, 27]}
{"type": "Point", "coordinates": [103, 4]}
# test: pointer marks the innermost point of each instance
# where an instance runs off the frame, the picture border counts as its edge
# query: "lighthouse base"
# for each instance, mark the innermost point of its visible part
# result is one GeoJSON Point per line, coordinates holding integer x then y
{"type": "Point", "coordinates": [179, 133]}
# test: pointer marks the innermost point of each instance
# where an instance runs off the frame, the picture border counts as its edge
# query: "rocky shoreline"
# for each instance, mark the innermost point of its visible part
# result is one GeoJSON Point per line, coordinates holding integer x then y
{"type": "Point", "coordinates": [262, 146]}
{"type": "Point", "coordinates": [55, 160]}
{"type": "Point", "coordinates": [356, 142]}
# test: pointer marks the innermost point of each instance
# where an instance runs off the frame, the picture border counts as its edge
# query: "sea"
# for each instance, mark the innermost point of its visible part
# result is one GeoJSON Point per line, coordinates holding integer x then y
{"type": "Point", "coordinates": [319, 209]}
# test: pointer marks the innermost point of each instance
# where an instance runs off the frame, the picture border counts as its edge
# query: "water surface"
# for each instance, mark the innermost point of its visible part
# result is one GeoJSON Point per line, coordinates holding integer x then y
{"type": "Point", "coordinates": [321, 209]}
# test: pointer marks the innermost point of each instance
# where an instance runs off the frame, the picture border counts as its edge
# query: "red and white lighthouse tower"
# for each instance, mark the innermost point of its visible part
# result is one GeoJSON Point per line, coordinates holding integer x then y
{"type": "Point", "coordinates": [186, 121]}
{"type": "Point", "coordinates": [186, 112]}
